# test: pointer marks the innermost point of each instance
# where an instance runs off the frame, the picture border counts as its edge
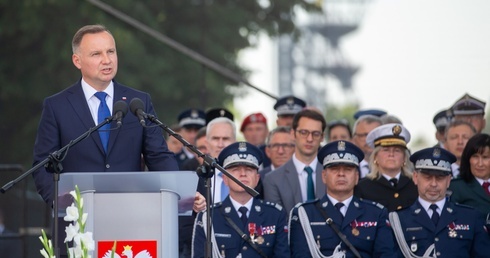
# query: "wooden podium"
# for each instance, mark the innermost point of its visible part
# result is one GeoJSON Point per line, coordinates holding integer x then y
{"type": "Point", "coordinates": [127, 206]}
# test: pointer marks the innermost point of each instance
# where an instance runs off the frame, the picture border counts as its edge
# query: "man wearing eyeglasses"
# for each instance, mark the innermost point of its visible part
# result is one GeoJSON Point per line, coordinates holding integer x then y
{"type": "Point", "coordinates": [279, 148]}
{"type": "Point", "coordinates": [362, 127]}
{"type": "Point", "coordinates": [299, 179]}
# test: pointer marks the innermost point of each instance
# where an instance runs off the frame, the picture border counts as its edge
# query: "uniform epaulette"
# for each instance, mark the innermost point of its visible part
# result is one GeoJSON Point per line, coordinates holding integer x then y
{"type": "Point", "coordinates": [464, 206]}
{"type": "Point", "coordinates": [272, 204]}
{"type": "Point", "coordinates": [216, 205]}
{"type": "Point", "coordinates": [306, 202]}
{"type": "Point", "coordinates": [379, 205]}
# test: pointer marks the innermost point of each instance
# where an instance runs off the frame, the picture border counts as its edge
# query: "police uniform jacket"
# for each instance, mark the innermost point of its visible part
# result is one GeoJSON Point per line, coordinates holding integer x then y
{"type": "Point", "coordinates": [380, 190]}
{"type": "Point", "coordinates": [270, 217]}
{"type": "Point", "coordinates": [459, 232]}
{"type": "Point", "coordinates": [471, 194]}
{"type": "Point", "coordinates": [365, 226]}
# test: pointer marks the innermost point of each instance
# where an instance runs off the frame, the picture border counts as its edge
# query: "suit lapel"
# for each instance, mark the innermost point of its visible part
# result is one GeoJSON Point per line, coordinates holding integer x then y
{"type": "Point", "coordinates": [354, 211]}
{"type": "Point", "coordinates": [292, 179]}
{"type": "Point", "coordinates": [421, 217]}
{"type": "Point", "coordinates": [447, 216]}
{"type": "Point", "coordinates": [478, 190]}
{"type": "Point", "coordinates": [319, 185]}
{"type": "Point", "coordinates": [79, 104]}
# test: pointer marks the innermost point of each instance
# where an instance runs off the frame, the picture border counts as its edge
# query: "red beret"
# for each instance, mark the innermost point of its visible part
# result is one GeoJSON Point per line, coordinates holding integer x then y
{"type": "Point", "coordinates": [253, 118]}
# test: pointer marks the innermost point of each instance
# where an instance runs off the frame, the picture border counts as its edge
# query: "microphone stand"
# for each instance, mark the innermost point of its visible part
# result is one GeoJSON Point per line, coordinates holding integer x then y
{"type": "Point", "coordinates": [53, 161]}
{"type": "Point", "coordinates": [206, 171]}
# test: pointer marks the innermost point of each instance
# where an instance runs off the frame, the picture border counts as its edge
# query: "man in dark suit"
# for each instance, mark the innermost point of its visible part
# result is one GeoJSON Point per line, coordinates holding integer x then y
{"type": "Point", "coordinates": [362, 222]}
{"type": "Point", "coordinates": [71, 112]}
{"type": "Point", "coordinates": [264, 223]}
{"type": "Point", "coordinates": [433, 226]}
{"type": "Point", "coordinates": [279, 148]}
{"type": "Point", "coordinates": [299, 179]}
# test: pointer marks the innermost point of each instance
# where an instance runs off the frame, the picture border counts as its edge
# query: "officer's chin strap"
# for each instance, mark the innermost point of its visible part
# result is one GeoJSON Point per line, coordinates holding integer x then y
{"type": "Point", "coordinates": [310, 239]}
{"type": "Point", "coordinates": [400, 238]}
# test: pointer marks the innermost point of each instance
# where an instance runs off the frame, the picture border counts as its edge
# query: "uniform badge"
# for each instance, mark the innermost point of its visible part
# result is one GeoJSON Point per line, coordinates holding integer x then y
{"type": "Point", "coordinates": [194, 114]}
{"type": "Point", "coordinates": [341, 146]}
{"type": "Point", "coordinates": [396, 130]}
{"type": "Point", "coordinates": [436, 153]}
{"type": "Point", "coordinates": [227, 209]}
{"type": "Point", "coordinates": [356, 204]}
{"type": "Point", "coordinates": [324, 204]}
{"type": "Point", "coordinates": [258, 208]}
{"type": "Point", "coordinates": [417, 211]}
{"type": "Point", "coordinates": [413, 247]}
{"type": "Point", "coordinates": [222, 112]}
{"type": "Point", "coordinates": [242, 146]}
{"type": "Point", "coordinates": [355, 231]}
{"type": "Point", "coordinates": [452, 230]}
{"type": "Point", "coordinates": [260, 240]}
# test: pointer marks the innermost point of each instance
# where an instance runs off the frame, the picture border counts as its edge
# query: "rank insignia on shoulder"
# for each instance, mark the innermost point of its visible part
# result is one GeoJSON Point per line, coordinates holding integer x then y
{"type": "Point", "coordinates": [227, 209]}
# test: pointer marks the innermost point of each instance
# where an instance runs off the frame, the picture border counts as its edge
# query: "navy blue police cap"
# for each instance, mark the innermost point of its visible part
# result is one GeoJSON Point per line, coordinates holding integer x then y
{"type": "Point", "coordinates": [218, 112]}
{"type": "Point", "coordinates": [289, 105]}
{"type": "Point", "coordinates": [240, 153]}
{"type": "Point", "coordinates": [372, 112]}
{"type": "Point", "coordinates": [194, 118]}
{"type": "Point", "coordinates": [434, 161]}
{"type": "Point", "coordinates": [340, 153]}
{"type": "Point", "coordinates": [442, 119]}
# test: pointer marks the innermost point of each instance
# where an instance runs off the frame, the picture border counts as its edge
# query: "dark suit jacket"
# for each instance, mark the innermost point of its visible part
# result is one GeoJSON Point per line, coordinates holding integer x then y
{"type": "Point", "coordinates": [282, 185]}
{"type": "Point", "coordinates": [267, 216]}
{"type": "Point", "coordinates": [471, 194]}
{"type": "Point", "coordinates": [380, 190]}
{"type": "Point", "coordinates": [470, 239]}
{"type": "Point", "coordinates": [66, 116]}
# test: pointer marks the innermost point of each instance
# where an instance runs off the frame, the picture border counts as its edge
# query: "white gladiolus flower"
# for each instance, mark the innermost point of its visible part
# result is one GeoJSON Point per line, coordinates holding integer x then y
{"type": "Point", "coordinates": [71, 232]}
{"type": "Point", "coordinates": [71, 213]}
{"type": "Point", "coordinates": [44, 253]}
{"type": "Point", "coordinates": [74, 194]}
{"type": "Point", "coordinates": [84, 218]}
{"type": "Point", "coordinates": [88, 240]}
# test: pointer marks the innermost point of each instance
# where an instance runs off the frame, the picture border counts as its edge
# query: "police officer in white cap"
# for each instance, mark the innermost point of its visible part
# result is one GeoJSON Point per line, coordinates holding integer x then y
{"type": "Point", "coordinates": [389, 180]}
{"type": "Point", "coordinates": [433, 226]}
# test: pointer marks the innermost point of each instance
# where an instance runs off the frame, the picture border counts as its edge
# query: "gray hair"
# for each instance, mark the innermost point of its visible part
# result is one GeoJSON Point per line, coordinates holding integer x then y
{"type": "Point", "coordinates": [221, 120]}
{"type": "Point", "coordinates": [279, 129]}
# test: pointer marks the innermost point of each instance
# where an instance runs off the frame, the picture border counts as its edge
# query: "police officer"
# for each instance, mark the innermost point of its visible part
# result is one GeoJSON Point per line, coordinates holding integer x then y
{"type": "Point", "coordinates": [314, 225]}
{"type": "Point", "coordinates": [286, 108]}
{"type": "Point", "coordinates": [433, 226]}
{"type": "Point", "coordinates": [190, 120]}
{"type": "Point", "coordinates": [264, 223]}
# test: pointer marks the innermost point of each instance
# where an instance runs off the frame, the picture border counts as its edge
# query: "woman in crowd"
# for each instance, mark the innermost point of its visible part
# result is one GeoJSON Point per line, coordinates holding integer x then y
{"type": "Point", "coordinates": [390, 179]}
{"type": "Point", "coordinates": [472, 188]}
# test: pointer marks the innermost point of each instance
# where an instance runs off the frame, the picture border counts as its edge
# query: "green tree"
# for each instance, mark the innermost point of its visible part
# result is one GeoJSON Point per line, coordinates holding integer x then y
{"type": "Point", "coordinates": [35, 46]}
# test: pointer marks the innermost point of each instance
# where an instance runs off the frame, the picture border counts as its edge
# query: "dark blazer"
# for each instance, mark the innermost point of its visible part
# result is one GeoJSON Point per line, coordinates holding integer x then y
{"type": "Point", "coordinates": [269, 217]}
{"type": "Point", "coordinates": [469, 238]}
{"type": "Point", "coordinates": [282, 185]}
{"type": "Point", "coordinates": [471, 194]}
{"type": "Point", "coordinates": [372, 237]}
{"type": "Point", "coordinates": [380, 190]}
{"type": "Point", "coordinates": [66, 116]}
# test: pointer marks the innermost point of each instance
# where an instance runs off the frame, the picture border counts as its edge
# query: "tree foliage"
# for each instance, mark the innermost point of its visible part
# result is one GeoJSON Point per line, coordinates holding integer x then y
{"type": "Point", "coordinates": [35, 47]}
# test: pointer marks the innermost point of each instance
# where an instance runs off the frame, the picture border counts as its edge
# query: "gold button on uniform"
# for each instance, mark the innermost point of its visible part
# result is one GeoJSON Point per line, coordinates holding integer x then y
{"type": "Point", "coordinates": [399, 207]}
{"type": "Point", "coordinates": [396, 195]}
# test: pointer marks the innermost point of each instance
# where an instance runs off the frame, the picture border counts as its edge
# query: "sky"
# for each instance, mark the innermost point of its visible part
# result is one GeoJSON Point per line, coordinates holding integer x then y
{"type": "Point", "coordinates": [416, 57]}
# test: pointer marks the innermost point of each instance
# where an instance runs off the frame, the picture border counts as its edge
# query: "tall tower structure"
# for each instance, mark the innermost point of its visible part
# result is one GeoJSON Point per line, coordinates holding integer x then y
{"type": "Point", "coordinates": [316, 59]}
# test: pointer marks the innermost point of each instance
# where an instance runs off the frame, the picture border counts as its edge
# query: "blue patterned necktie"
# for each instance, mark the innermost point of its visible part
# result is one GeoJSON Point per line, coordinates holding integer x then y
{"type": "Point", "coordinates": [435, 215]}
{"type": "Point", "coordinates": [224, 188]}
{"type": "Point", "coordinates": [103, 113]}
{"type": "Point", "coordinates": [310, 187]}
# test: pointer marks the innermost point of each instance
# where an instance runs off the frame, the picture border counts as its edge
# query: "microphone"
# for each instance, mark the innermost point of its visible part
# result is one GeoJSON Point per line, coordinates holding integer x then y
{"type": "Point", "coordinates": [136, 105]}
{"type": "Point", "coordinates": [120, 111]}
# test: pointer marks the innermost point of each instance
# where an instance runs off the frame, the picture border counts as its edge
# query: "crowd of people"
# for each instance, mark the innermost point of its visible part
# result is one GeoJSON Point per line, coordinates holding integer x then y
{"type": "Point", "coordinates": [326, 189]}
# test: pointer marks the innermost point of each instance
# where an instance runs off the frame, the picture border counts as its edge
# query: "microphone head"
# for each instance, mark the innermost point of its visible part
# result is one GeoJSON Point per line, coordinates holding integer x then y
{"type": "Point", "coordinates": [135, 105]}
{"type": "Point", "coordinates": [122, 106]}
